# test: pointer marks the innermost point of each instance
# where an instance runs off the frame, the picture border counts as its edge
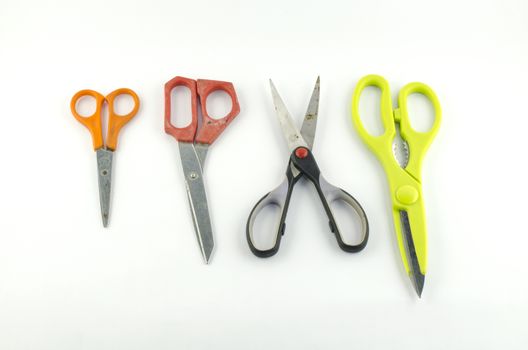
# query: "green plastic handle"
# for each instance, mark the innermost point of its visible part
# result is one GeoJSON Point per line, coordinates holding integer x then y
{"type": "Point", "coordinates": [404, 183]}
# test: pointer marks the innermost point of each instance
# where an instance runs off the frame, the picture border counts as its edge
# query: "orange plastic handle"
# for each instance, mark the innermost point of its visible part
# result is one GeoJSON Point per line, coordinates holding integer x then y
{"type": "Point", "coordinates": [212, 128]}
{"type": "Point", "coordinates": [94, 122]}
{"type": "Point", "coordinates": [117, 121]}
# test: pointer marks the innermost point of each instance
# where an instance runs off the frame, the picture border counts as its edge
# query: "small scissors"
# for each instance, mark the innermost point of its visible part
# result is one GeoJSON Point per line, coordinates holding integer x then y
{"type": "Point", "coordinates": [193, 142]}
{"type": "Point", "coordinates": [104, 152]}
{"type": "Point", "coordinates": [404, 175]}
{"type": "Point", "coordinates": [302, 164]}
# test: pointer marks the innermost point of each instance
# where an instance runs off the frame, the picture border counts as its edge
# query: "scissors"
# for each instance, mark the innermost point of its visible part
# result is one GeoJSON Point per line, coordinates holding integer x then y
{"type": "Point", "coordinates": [404, 175]}
{"type": "Point", "coordinates": [302, 164]}
{"type": "Point", "coordinates": [193, 142]}
{"type": "Point", "coordinates": [104, 151]}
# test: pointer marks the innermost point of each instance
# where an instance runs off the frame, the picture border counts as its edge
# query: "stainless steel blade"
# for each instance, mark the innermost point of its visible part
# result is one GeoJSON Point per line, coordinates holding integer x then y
{"type": "Point", "coordinates": [291, 133]}
{"type": "Point", "coordinates": [201, 152]}
{"type": "Point", "coordinates": [400, 149]}
{"type": "Point", "coordinates": [104, 175]}
{"type": "Point", "coordinates": [417, 278]}
{"type": "Point", "coordinates": [310, 119]}
{"type": "Point", "coordinates": [194, 184]}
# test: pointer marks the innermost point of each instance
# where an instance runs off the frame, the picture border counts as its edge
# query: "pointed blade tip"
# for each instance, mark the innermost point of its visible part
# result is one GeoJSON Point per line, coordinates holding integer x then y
{"type": "Point", "coordinates": [207, 252]}
{"type": "Point", "coordinates": [105, 220]}
{"type": "Point", "coordinates": [207, 257]}
{"type": "Point", "coordinates": [419, 291]}
{"type": "Point", "coordinates": [317, 87]}
{"type": "Point", "coordinates": [273, 88]}
{"type": "Point", "coordinates": [418, 282]}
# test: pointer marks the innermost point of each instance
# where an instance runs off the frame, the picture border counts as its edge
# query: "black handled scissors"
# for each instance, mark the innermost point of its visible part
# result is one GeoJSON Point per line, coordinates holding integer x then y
{"type": "Point", "coordinates": [302, 164]}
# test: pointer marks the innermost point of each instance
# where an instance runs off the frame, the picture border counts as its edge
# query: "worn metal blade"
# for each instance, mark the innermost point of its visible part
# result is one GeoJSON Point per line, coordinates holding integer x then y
{"type": "Point", "coordinates": [291, 133]}
{"type": "Point", "coordinates": [310, 119]}
{"type": "Point", "coordinates": [417, 278]}
{"type": "Point", "coordinates": [104, 175]}
{"type": "Point", "coordinates": [194, 184]}
{"type": "Point", "coordinates": [201, 152]}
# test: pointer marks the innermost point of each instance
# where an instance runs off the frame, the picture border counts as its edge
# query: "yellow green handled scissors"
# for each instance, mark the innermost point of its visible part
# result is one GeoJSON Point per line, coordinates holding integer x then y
{"type": "Point", "coordinates": [405, 181]}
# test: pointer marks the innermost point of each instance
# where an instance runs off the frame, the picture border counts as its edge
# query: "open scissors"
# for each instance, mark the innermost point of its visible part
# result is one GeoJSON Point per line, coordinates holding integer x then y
{"type": "Point", "coordinates": [302, 164]}
{"type": "Point", "coordinates": [404, 175]}
{"type": "Point", "coordinates": [194, 141]}
{"type": "Point", "coordinates": [104, 151]}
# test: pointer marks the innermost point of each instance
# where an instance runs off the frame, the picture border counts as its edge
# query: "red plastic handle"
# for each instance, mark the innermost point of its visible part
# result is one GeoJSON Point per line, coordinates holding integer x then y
{"type": "Point", "coordinates": [212, 128]}
{"type": "Point", "coordinates": [185, 134]}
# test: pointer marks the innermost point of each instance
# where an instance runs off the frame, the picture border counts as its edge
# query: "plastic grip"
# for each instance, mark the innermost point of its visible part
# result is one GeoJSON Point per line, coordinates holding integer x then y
{"type": "Point", "coordinates": [375, 142]}
{"type": "Point", "coordinates": [418, 142]}
{"type": "Point", "coordinates": [212, 128]}
{"type": "Point", "coordinates": [330, 194]}
{"type": "Point", "coordinates": [93, 122]}
{"type": "Point", "coordinates": [117, 121]}
{"type": "Point", "coordinates": [279, 197]}
{"type": "Point", "coordinates": [185, 134]}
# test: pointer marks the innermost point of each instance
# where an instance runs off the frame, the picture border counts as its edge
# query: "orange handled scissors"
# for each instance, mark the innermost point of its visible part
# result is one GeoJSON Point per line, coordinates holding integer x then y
{"type": "Point", "coordinates": [104, 151]}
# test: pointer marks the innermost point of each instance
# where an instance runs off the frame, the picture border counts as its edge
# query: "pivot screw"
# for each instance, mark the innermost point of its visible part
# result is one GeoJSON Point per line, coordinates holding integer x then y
{"type": "Point", "coordinates": [301, 152]}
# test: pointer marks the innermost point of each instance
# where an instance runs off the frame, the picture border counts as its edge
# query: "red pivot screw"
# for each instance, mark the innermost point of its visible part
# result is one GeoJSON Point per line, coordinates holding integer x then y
{"type": "Point", "coordinates": [301, 152]}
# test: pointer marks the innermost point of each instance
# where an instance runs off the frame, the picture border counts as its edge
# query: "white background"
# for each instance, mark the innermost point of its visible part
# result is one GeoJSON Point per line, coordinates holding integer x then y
{"type": "Point", "coordinates": [67, 283]}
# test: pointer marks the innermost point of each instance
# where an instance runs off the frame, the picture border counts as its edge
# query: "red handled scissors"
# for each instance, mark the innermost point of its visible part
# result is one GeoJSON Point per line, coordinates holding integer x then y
{"type": "Point", "coordinates": [194, 141]}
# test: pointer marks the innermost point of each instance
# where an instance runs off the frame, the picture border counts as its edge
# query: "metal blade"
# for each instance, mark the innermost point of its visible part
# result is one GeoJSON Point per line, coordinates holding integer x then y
{"type": "Point", "coordinates": [292, 135]}
{"type": "Point", "coordinates": [417, 278]}
{"type": "Point", "coordinates": [104, 175]}
{"type": "Point", "coordinates": [201, 152]}
{"type": "Point", "coordinates": [194, 184]}
{"type": "Point", "coordinates": [310, 119]}
{"type": "Point", "coordinates": [400, 149]}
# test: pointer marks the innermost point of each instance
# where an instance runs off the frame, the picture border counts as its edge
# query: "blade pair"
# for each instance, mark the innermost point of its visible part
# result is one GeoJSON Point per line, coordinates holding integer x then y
{"type": "Point", "coordinates": [104, 176]}
{"type": "Point", "coordinates": [192, 159]}
{"type": "Point", "coordinates": [294, 138]}
{"type": "Point", "coordinates": [400, 150]}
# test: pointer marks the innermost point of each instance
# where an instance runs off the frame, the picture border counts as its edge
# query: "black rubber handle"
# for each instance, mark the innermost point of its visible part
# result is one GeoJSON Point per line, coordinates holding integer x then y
{"type": "Point", "coordinates": [329, 193]}
{"type": "Point", "coordinates": [281, 198]}
{"type": "Point", "coordinates": [304, 164]}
